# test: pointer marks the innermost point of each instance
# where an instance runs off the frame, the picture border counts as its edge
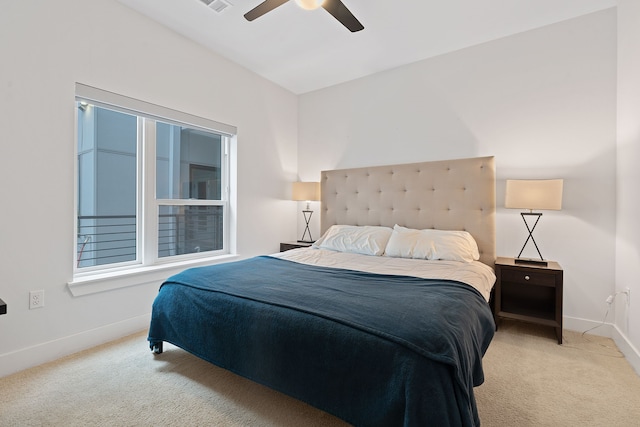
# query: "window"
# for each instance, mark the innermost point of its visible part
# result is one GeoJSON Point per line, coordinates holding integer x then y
{"type": "Point", "coordinates": [152, 183]}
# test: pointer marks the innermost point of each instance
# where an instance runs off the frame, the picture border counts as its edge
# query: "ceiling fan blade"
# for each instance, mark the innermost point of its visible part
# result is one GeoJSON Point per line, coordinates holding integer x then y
{"type": "Point", "coordinates": [262, 8]}
{"type": "Point", "coordinates": [342, 14]}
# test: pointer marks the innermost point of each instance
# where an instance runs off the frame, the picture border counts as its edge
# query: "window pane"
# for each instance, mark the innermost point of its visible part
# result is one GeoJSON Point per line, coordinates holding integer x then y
{"type": "Point", "coordinates": [107, 186]}
{"type": "Point", "coordinates": [190, 229]}
{"type": "Point", "coordinates": [188, 163]}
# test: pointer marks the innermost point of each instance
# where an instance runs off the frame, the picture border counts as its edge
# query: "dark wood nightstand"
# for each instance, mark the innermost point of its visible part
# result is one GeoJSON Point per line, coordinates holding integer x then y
{"type": "Point", "coordinates": [3, 307]}
{"type": "Point", "coordinates": [529, 292]}
{"type": "Point", "coordinates": [293, 245]}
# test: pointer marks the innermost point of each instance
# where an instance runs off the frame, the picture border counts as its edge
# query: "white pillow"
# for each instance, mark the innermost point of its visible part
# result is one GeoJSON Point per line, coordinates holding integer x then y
{"type": "Point", "coordinates": [428, 244]}
{"type": "Point", "coordinates": [366, 240]}
{"type": "Point", "coordinates": [409, 243]}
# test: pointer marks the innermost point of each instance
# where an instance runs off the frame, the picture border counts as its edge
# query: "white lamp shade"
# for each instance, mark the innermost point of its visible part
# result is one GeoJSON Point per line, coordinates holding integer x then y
{"type": "Point", "coordinates": [535, 194]}
{"type": "Point", "coordinates": [305, 191]}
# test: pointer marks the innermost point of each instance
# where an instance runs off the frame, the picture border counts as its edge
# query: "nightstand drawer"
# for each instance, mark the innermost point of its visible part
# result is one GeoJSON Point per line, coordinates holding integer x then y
{"type": "Point", "coordinates": [525, 277]}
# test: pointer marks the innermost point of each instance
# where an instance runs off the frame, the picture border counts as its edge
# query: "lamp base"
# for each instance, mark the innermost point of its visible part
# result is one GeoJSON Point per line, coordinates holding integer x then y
{"type": "Point", "coordinates": [307, 217]}
{"type": "Point", "coordinates": [533, 261]}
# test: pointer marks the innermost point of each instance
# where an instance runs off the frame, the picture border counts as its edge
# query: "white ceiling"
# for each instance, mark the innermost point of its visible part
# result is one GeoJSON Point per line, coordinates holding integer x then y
{"type": "Point", "coordinates": [307, 50]}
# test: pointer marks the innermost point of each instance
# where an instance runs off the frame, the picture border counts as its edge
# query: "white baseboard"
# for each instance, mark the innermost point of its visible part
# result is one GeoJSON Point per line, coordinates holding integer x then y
{"type": "Point", "coordinates": [581, 325]}
{"type": "Point", "coordinates": [41, 353]}
{"type": "Point", "coordinates": [630, 352]}
{"type": "Point", "coordinates": [608, 330]}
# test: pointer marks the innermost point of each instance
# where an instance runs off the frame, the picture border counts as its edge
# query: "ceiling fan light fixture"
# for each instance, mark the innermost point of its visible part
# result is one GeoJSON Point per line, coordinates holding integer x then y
{"type": "Point", "coordinates": [336, 8]}
{"type": "Point", "coordinates": [309, 4]}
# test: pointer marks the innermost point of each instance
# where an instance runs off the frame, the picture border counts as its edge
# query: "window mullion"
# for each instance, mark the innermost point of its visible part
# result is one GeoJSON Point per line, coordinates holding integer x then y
{"type": "Point", "coordinates": [149, 235]}
{"type": "Point", "coordinates": [226, 188]}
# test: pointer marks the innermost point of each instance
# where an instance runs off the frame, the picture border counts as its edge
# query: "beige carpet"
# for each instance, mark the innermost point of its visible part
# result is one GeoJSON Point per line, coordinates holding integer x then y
{"type": "Point", "coordinates": [530, 381]}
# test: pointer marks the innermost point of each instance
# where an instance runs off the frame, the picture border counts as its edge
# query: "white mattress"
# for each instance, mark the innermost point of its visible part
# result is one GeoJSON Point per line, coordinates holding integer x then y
{"type": "Point", "coordinates": [475, 274]}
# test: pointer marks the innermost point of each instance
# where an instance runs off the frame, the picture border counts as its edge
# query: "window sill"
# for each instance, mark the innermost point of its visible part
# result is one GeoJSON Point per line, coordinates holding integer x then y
{"type": "Point", "coordinates": [102, 282]}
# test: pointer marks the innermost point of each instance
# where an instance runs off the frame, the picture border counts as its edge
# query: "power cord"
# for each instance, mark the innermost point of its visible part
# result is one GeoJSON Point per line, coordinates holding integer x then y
{"type": "Point", "coordinates": [610, 299]}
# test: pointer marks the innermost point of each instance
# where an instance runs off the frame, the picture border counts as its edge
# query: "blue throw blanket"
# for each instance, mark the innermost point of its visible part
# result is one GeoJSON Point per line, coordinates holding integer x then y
{"type": "Point", "coordinates": [372, 349]}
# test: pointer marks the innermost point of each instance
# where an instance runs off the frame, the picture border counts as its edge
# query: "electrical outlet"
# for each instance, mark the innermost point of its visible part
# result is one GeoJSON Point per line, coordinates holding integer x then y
{"type": "Point", "coordinates": [36, 299]}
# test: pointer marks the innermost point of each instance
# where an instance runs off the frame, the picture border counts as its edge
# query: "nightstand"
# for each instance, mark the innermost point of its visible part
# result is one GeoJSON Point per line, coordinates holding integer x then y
{"type": "Point", "coordinates": [3, 307]}
{"type": "Point", "coordinates": [529, 292]}
{"type": "Point", "coordinates": [293, 245]}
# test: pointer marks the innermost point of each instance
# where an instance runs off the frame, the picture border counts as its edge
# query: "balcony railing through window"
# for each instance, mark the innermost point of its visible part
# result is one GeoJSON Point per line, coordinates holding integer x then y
{"type": "Point", "coordinates": [190, 229]}
{"type": "Point", "coordinates": [106, 239]}
{"type": "Point", "coordinates": [109, 239]}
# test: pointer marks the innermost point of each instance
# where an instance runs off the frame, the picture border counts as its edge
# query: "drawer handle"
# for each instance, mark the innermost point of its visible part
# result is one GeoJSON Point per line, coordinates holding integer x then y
{"type": "Point", "coordinates": [526, 277]}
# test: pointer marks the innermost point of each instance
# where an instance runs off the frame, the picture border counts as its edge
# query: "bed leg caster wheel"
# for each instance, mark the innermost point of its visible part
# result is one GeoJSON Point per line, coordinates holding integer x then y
{"type": "Point", "coordinates": [156, 348]}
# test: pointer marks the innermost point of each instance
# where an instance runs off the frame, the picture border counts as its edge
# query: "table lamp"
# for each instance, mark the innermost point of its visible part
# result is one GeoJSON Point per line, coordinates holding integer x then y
{"type": "Point", "coordinates": [535, 194]}
{"type": "Point", "coordinates": [307, 192]}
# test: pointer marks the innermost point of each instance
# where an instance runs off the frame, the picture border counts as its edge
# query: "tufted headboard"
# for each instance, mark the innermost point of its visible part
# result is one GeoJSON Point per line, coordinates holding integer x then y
{"type": "Point", "coordinates": [446, 195]}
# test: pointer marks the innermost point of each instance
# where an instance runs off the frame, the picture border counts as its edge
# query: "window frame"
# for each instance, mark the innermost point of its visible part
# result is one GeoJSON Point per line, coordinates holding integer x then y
{"type": "Point", "coordinates": [147, 205]}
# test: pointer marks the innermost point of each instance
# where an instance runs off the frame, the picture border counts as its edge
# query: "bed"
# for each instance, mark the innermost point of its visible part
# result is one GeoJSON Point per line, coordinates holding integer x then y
{"type": "Point", "coordinates": [383, 322]}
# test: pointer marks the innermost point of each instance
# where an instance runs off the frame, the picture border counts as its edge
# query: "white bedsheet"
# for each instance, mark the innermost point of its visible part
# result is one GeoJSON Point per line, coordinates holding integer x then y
{"type": "Point", "coordinates": [475, 274]}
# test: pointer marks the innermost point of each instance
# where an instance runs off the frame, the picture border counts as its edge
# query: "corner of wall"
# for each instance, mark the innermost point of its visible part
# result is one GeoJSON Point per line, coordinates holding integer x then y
{"type": "Point", "coordinates": [630, 352]}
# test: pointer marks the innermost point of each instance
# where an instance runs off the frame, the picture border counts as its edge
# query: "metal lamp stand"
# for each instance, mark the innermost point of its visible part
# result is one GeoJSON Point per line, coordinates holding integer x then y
{"type": "Point", "coordinates": [519, 260]}
{"type": "Point", "coordinates": [307, 217]}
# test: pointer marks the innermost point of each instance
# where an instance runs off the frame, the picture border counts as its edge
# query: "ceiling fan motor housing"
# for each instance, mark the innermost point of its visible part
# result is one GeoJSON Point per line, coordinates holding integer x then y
{"type": "Point", "coordinates": [309, 4]}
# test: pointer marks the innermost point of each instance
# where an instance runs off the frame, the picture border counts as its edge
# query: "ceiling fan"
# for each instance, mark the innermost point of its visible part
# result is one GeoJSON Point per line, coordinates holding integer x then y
{"type": "Point", "coordinates": [334, 7]}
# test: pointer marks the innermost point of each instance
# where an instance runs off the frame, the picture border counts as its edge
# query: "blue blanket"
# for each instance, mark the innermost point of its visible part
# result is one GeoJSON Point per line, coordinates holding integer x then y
{"type": "Point", "coordinates": [377, 350]}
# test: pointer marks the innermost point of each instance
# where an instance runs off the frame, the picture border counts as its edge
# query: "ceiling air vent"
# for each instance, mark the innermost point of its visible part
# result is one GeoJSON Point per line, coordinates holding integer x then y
{"type": "Point", "coordinates": [217, 5]}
